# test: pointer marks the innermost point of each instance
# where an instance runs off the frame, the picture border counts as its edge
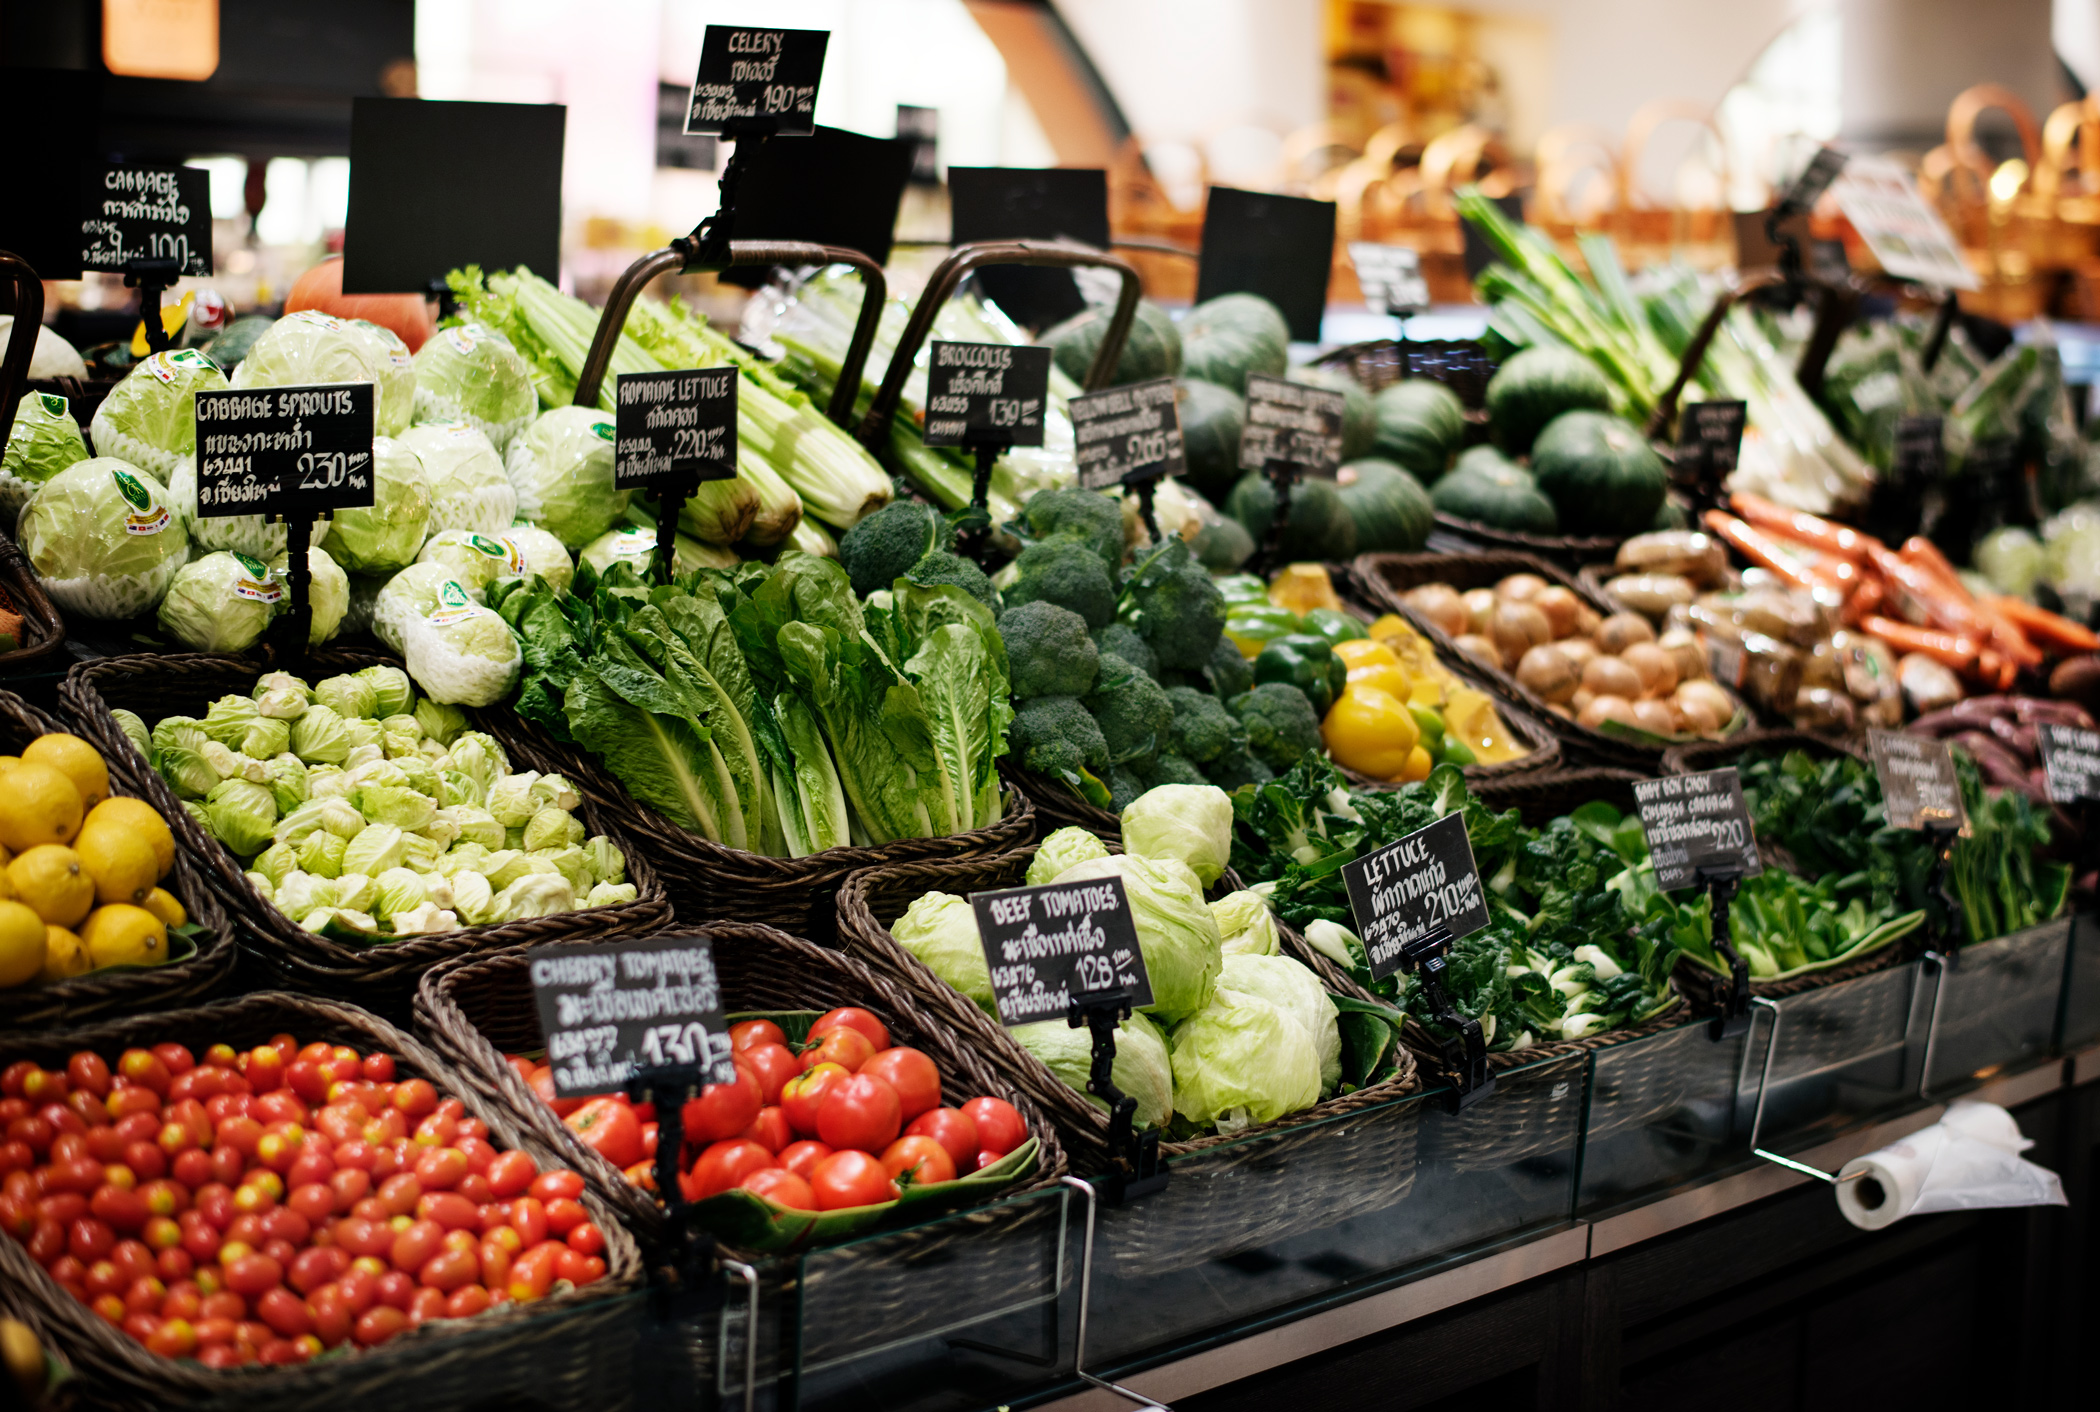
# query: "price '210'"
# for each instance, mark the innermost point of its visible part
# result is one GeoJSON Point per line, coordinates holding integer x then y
{"type": "Point", "coordinates": [1453, 899]}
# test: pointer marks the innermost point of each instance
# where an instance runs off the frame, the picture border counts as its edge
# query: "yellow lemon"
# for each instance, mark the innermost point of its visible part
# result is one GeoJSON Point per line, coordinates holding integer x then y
{"type": "Point", "coordinates": [7, 889]}
{"type": "Point", "coordinates": [21, 944]}
{"type": "Point", "coordinates": [123, 935]}
{"type": "Point", "coordinates": [139, 817]}
{"type": "Point", "coordinates": [65, 955]}
{"type": "Point", "coordinates": [39, 805]}
{"type": "Point", "coordinates": [163, 904]}
{"type": "Point", "coordinates": [8, 762]}
{"type": "Point", "coordinates": [121, 863]}
{"type": "Point", "coordinates": [51, 880]}
{"type": "Point", "coordinates": [76, 760]}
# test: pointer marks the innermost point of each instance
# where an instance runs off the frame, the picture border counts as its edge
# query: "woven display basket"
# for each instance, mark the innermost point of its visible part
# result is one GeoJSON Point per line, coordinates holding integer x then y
{"type": "Point", "coordinates": [1057, 807]}
{"type": "Point", "coordinates": [1459, 364]}
{"type": "Point", "coordinates": [708, 879]}
{"type": "Point", "coordinates": [570, 1349]}
{"type": "Point", "coordinates": [476, 1009]}
{"type": "Point", "coordinates": [43, 637]}
{"type": "Point", "coordinates": [1387, 577]}
{"type": "Point", "coordinates": [382, 976]}
{"type": "Point", "coordinates": [1456, 536]}
{"type": "Point", "coordinates": [72, 1001]}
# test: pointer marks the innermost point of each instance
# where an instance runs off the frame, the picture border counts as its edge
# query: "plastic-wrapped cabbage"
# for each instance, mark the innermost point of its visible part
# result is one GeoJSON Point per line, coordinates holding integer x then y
{"type": "Point", "coordinates": [409, 595]}
{"type": "Point", "coordinates": [631, 544]}
{"type": "Point", "coordinates": [543, 555]}
{"type": "Point", "coordinates": [470, 373]}
{"type": "Point", "coordinates": [399, 891]}
{"type": "Point", "coordinates": [941, 930]}
{"type": "Point", "coordinates": [310, 347]}
{"type": "Point", "coordinates": [608, 864]}
{"type": "Point", "coordinates": [536, 895]}
{"type": "Point", "coordinates": [134, 730]}
{"type": "Point", "coordinates": [562, 468]}
{"type": "Point", "coordinates": [321, 853]}
{"type": "Point", "coordinates": [275, 862]}
{"type": "Point", "coordinates": [1192, 822]}
{"type": "Point", "coordinates": [385, 535]}
{"type": "Point", "coordinates": [607, 894]}
{"type": "Point", "coordinates": [52, 357]}
{"type": "Point", "coordinates": [1141, 1069]}
{"type": "Point", "coordinates": [327, 592]}
{"type": "Point", "coordinates": [242, 814]}
{"type": "Point", "coordinates": [104, 538]}
{"type": "Point", "coordinates": [1067, 847]}
{"type": "Point", "coordinates": [473, 558]}
{"type": "Point", "coordinates": [461, 653]}
{"type": "Point", "coordinates": [243, 534]}
{"type": "Point", "coordinates": [43, 441]}
{"type": "Point", "coordinates": [392, 692]}
{"type": "Point", "coordinates": [1290, 985]}
{"type": "Point", "coordinates": [468, 489]}
{"type": "Point", "coordinates": [1246, 927]}
{"type": "Point", "coordinates": [395, 406]}
{"type": "Point", "coordinates": [1174, 926]}
{"type": "Point", "coordinates": [1243, 1059]}
{"type": "Point", "coordinates": [220, 603]}
{"type": "Point", "coordinates": [150, 418]}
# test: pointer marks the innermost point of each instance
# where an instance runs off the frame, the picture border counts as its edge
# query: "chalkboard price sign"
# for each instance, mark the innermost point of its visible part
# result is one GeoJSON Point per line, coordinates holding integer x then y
{"type": "Point", "coordinates": [1390, 277]}
{"type": "Point", "coordinates": [147, 213]}
{"type": "Point", "coordinates": [1696, 821]}
{"type": "Point", "coordinates": [1289, 421]}
{"type": "Point", "coordinates": [1919, 788]}
{"type": "Point", "coordinates": [1047, 945]}
{"type": "Point", "coordinates": [610, 1012]}
{"type": "Point", "coordinates": [986, 394]}
{"type": "Point", "coordinates": [1426, 882]}
{"type": "Point", "coordinates": [1127, 434]}
{"type": "Point", "coordinates": [282, 450]}
{"type": "Point", "coordinates": [2070, 762]}
{"type": "Point", "coordinates": [1920, 453]}
{"type": "Point", "coordinates": [757, 81]}
{"type": "Point", "coordinates": [674, 424]}
{"type": "Point", "coordinates": [1713, 433]}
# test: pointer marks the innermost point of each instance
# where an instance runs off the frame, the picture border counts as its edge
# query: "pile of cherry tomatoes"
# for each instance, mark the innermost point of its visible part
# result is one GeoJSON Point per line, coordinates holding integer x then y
{"type": "Point", "coordinates": [262, 1206]}
{"type": "Point", "coordinates": [845, 1122]}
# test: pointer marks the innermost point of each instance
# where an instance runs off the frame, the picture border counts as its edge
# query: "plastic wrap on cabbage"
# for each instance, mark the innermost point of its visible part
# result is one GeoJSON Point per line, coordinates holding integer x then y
{"type": "Point", "coordinates": [562, 470]}
{"type": "Point", "coordinates": [470, 373]}
{"type": "Point", "coordinates": [44, 439]}
{"type": "Point", "coordinates": [633, 545]}
{"type": "Point", "coordinates": [475, 559]}
{"type": "Point", "coordinates": [385, 535]}
{"type": "Point", "coordinates": [396, 407]}
{"type": "Point", "coordinates": [327, 592]}
{"type": "Point", "coordinates": [104, 538]}
{"type": "Point", "coordinates": [1141, 1069]}
{"type": "Point", "coordinates": [220, 603]}
{"type": "Point", "coordinates": [459, 652]}
{"type": "Point", "coordinates": [468, 488]}
{"type": "Point", "coordinates": [150, 418]}
{"type": "Point", "coordinates": [311, 347]}
{"type": "Point", "coordinates": [252, 535]}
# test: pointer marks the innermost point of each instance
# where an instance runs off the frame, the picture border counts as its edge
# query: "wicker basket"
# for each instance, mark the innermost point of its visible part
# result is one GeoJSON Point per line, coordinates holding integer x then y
{"type": "Point", "coordinates": [43, 641]}
{"type": "Point", "coordinates": [1057, 807]}
{"type": "Point", "coordinates": [381, 977]}
{"type": "Point", "coordinates": [1715, 754]}
{"type": "Point", "coordinates": [105, 992]}
{"type": "Point", "coordinates": [1453, 535]}
{"type": "Point", "coordinates": [502, 1356]}
{"type": "Point", "coordinates": [475, 1009]}
{"type": "Point", "coordinates": [1386, 577]}
{"type": "Point", "coordinates": [1459, 364]}
{"type": "Point", "coordinates": [707, 879]}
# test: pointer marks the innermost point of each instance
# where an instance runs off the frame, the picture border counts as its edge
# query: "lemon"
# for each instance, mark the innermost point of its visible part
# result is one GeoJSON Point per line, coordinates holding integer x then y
{"type": "Point", "coordinates": [123, 935]}
{"type": "Point", "coordinates": [163, 904]}
{"type": "Point", "coordinates": [65, 955]}
{"type": "Point", "coordinates": [121, 863]}
{"type": "Point", "coordinates": [7, 889]}
{"type": "Point", "coordinates": [39, 805]}
{"type": "Point", "coordinates": [76, 760]}
{"type": "Point", "coordinates": [139, 817]}
{"type": "Point", "coordinates": [51, 880]}
{"type": "Point", "coordinates": [21, 944]}
{"type": "Point", "coordinates": [8, 762]}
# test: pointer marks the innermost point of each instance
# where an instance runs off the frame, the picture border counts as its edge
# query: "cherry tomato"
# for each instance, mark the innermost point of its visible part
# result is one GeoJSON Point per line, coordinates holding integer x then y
{"type": "Point", "coordinates": [926, 1160]}
{"type": "Point", "coordinates": [851, 1178]}
{"type": "Point", "coordinates": [559, 1182]}
{"type": "Point", "coordinates": [770, 1130]}
{"type": "Point", "coordinates": [722, 1166]}
{"type": "Point", "coordinates": [88, 1072]}
{"type": "Point", "coordinates": [413, 1246]}
{"type": "Point", "coordinates": [379, 1068]}
{"type": "Point", "coordinates": [285, 1312]}
{"type": "Point", "coordinates": [999, 1127]}
{"type": "Point", "coordinates": [586, 1239]}
{"type": "Point", "coordinates": [510, 1173]}
{"type": "Point", "coordinates": [450, 1210]}
{"type": "Point", "coordinates": [252, 1274]}
{"type": "Point", "coordinates": [565, 1214]}
{"type": "Point", "coordinates": [608, 1127]}
{"type": "Point", "coordinates": [772, 1065]}
{"type": "Point", "coordinates": [466, 1301]}
{"type": "Point", "coordinates": [415, 1098]}
{"type": "Point", "coordinates": [842, 1045]}
{"type": "Point", "coordinates": [782, 1188]}
{"type": "Point", "coordinates": [440, 1168]}
{"type": "Point", "coordinates": [723, 1110]}
{"type": "Point", "coordinates": [532, 1274]}
{"type": "Point", "coordinates": [378, 1324]}
{"type": "Point", "coordinates": [542, 1082]}
{"type": "Point", "coordinates": [528, 1217]}
{"type": "Point", "coordinates": [449, 1270]}
{"type": "Point", "coordinates": [859, 1111]}
{"type": "Point", "coordinates": [748, 1034]}
{"type": "Point", "coordinates": [852, 1017]}
{"type": "Point", "coordinates": [803, 1096]}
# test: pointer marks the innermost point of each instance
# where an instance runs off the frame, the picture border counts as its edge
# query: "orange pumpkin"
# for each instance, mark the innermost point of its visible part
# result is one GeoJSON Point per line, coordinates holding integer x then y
{"type": "Point", "coordinates": [321, 288]}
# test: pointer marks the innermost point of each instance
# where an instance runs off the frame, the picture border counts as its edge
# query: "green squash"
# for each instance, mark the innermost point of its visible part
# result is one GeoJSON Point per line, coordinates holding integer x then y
{"type": "Point", "coordinates": [1536, 386]}
{"type": "Point", "coordinates": [1212, 420]}
{"type": "Point", "coordinates": [1600, 474]}
{"type": "Point", "coordinates": [1226, 338]}
{"type": "Point", "coordinates": [1153, 349]}
{"type": "Point", "coordinates": [1420, 424]}
{"type": "Point", "coordinates": [1359, 417]}
{"type": "Point", "coordinates": [1319, 526]}
{"type": "Point", "coordinates": [1489, 488]}
{"type": "Point", "coordinates": [1391, 510]}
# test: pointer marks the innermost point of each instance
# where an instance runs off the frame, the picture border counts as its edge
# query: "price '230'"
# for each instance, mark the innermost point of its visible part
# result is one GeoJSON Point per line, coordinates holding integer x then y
{"type": "Point", "coordinates": [323, 470]}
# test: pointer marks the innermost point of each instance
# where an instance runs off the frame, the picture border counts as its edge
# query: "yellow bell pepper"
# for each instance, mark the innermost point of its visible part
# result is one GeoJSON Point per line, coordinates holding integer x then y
{"type": "Point", "coordinates": [1471, 717]}
{"type": "Point", "coordinates": [1302, 588]}
{"type": "Point", "coordinates": [1363, 652]}
{"type": "Point", "coordinates": [1370, 731]}
{"type": "Point", "coordinates": [1390, 678]}
{"type": "Point", "coordinates": [1417, 767]}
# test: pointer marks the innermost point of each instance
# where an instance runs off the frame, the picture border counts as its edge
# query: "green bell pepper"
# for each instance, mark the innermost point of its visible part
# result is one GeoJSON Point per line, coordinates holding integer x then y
{"type": "Point", "coordinates": [1333, 624]}
{"type": "Point", "coordinates": [1242, 588]}
{"type": "Point", "coordinates": [1306, 662]}
{"type": "Point", "coordinates": [1253, 626]}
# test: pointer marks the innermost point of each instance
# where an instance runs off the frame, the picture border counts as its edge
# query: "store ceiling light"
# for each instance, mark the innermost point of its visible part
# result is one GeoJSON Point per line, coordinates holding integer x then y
{"type": "Point", "coordinates": [161, 38]}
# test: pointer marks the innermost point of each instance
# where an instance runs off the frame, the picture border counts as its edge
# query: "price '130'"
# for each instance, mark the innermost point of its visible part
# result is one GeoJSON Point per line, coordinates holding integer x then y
{"type": "Point", "coordinates": [686, 1046]}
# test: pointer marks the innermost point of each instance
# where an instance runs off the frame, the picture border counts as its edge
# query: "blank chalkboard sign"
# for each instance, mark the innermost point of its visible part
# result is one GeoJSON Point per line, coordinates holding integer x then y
{"type": "Point", "coordinates": [55, 115]}
{"type": "Point", "coordinates": [832, 187]}
{"type": "Point", "coordinates": [438, 186]}
{"type": "Point", "coordinates": [1280, 247]}
{"type": "Point", "coordinates": [1029, 203]}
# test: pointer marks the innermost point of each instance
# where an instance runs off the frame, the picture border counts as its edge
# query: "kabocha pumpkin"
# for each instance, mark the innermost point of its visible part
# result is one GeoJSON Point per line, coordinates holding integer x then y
{"type": "Point", "coordinates": [1537, 385]}
{"type": "Point", "coordinates": [1359, 417]}
{"type": "Point", "coordinates": [1600, 474]}
{"type": "Point", "coordinates": [1153, 349]}
{"type": "Point", "coordinates": [1390, 509]}
{"type": "Point", "coordinates": [1212, 420]}
{"type": "Point", "coordinates": [1489, 487]}
{"type": "Point", "coordinates": [1418, 424]}
{"type": "Point", "coordinates": [1319, 526]}
{"type": "Point", "coordinates": [1224, 339]}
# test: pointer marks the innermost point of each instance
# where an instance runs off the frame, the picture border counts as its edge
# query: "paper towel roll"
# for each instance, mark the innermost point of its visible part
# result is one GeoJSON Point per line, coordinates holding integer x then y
{"type": "Point", "coordinates": [1967, 1161]}
{"type": "Point", "coordinates": [1881, 1188]}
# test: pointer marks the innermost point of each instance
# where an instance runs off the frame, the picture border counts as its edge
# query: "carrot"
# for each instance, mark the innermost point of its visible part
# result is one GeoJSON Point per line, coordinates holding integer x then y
{"type": "Point", "coordinates": [1760, 550]}
{"type": "Point", "coordinates": [1812, 530]}
{"type": "Point", "coordinates": [2053, 629]}
{"type": "Point", "coordinates": [1952, 649]}
{"type": "Point", "coordinates": [1924, 553]}
{"type": "Point", "coordinates": [2004, 632]}
{"type": "Point", "coordinates": [1867, 598]}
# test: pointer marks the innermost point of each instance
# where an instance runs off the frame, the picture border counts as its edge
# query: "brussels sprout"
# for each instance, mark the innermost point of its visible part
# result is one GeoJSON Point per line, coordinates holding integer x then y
{"type": "Point", "coordinates": [300, 893]}
{"type": "Point", "coordinates": [328, 814]}
{"type": "Point", "coordinates": [363, 733]}
{"type": "Point", "coordinates": [442, 830]}
{"type": "Point", "coordinates": [232, 765]}
{"type": "Point", "coordinates": [420, 853]}
{"type": "Point", "coordinates": [242, 814]}
{"type": "Point", "coordinates": [571, 864]}
{"type": "Point", "coordinates": [555, 792]}
{"type": "Point", "coordinates": [375, 849]}
{"type": "Point", "coordinates": [438, 888]}
{"type": "Point", "coordinates": [282, 695]}
{"type": "Point", "coordinates": [325, 780]}
{"type": "Point", "coordinates": [463, 857]}
{"type": "Point", "coordinates": [479, 757]}
{"type": "Point", "coordinates": [186, 770]}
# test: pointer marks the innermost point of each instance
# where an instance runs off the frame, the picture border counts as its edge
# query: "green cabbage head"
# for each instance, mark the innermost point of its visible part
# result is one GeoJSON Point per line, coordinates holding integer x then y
{"type": "Point", "coordinates": [385, 535]}
{"type": "Point", "coordinates": [941, 930]}
{"type": "Point", "coordinates": [44, 439]}
{"type": "Point", "coordinates": [1176, 932]}
{"type": "Point", "coordinates": [1245, 924]}
{"type": "Point", "coordinates": [470, 373]}
{"type": "Point", "coordinates": [562, 469]}
{"type": "Point", "coordinates": [468, 489]}
{"type": "Point", "coordinates": [1242, 1059]}
{"type": "Point", "coordinates": [1192, 822]}
{"type": "Point", "coordinates": [220, 603]}
{"type": "Point", "coordinates": [462, 654]}
{"type": "Point", "coordinates": [1141, 1069]}
{"type": "Point", "coordinates": [104, 537]}
{"type": "Point", "coordinates": [1068, 847]}
{"type": "Point", "coordinates": [150, 418]}
{"type": "Point", "coordinates": [1291, 987]}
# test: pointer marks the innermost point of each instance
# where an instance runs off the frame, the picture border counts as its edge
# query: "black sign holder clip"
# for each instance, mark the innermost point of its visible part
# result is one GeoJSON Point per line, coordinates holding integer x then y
{"type": "Point", "coordinates": [152, 278]}
{"type": "Point", "coordinates": [1282, 476]}
{"type": "Point", "coordinates": [1943, 923]}
{"type": "Point", "coordinates": [291, 630]}
{"type": "Point", "coordinates": [1734, 1019]}
{"type": "Point", "coordinates": [690, 1251]}
{"type": "Point", "coordinates": [1135, 1168]}
{"type": "Point", "coordinates": [1465, 1058]}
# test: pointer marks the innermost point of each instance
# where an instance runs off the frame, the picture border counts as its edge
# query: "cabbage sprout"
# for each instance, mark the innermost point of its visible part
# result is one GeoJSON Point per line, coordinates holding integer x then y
{"type": "Point", "coordinates": [347, 695]}
{"type": "Point", "coordinates": [44, 439]}
{"type": "Point", "coordinates": [562, 469]}
{"type": "Point", "coordinates": [395, 406]}
{"type": "Point", "coordinates": [410, 595]}
{"type": "Point", "coordinates": [607, 894]}
{"type": "Point", "coordinates": [104, 538]}
{"type": "Point", "coordinates": [392, 692]}
{"type": "Point", "coordinates": [470, 373]}
{"type": "Point", "coordinates": [150, 418]}
{"type": "Point", "coordinates": [220, 603]}
{"type": "Point", "coordinates": [385, 535]}
{"type": "Point", "coordinates": [242, 814]}
{"type": "Point", "coordinates": [468, 489]}
{"type": "Point", "coordinates": [311, 347]}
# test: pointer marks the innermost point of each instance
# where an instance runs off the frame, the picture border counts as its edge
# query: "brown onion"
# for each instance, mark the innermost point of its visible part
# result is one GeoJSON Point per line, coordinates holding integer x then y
{"type": "Point", "coordinates": [1480, 609]}
{"type": "Point", "coordinates": [1655, 716]}
{"type": "Point", "coordinates": [1657, 669]}
{"type": "Point", "coordinates": [1605, 708]}
{"type": "Point", "coordinates": [1545, 673]}
{"type": "Point", "coordinates": [1621, 631]}
{"type": "Point", "coordinates": [1608, 676]}
{"type": "Point", "coordinates": [1480, 649]}
{"type": "Point", "coordinates": [1440, 603]}
{"type": "Point", "coordinates": [1520, 588]}
{"type": "Point", "coordinates": [1561, 607]}
{"type": "Point", "coordinates": [1517, 628]}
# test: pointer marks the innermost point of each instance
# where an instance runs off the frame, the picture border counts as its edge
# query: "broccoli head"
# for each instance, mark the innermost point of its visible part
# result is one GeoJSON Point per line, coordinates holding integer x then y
{"type": "Point", "coordinates": [1048, 652]}
{"type": "Point", "coordinates": [1170, 769]}
{"type": "Point", "coordinates": [1065, 572]}
{"type": "Point", "coordinates": [1281, 724]}
{"type": "Point", "coordinates": [1170, 599]}
{"type": "Point", "coordinates": [1135, 714]}
{"type": "Point", "coordinates": [1123, 786]}
{"type": "Point", "coordinates": [1054, 736]}
{"type": "Point", "coordinates": [1094, 519]}
{"type": "Point", "coordinates": [1237, 767]}
{"type": "Point", "coordinates": [940, 566]}
{"type": "Point", "coordinates": [883, 547]}
{"type": "Point", "coordinates": [1122, 639]}
{"type": "Point", "coordinates": [1203, 728]}
{"type": "Point", "coordinates": [1229, 672]}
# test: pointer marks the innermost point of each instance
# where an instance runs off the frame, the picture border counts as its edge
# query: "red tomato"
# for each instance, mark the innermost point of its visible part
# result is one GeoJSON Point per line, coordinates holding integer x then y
{"type": "Point", "coordinates": [466, 1301]}
{"type": "Point", "coordinates": [912, 1074]}
{"type": "Point", "coordinates": [842, 1045]}
{"type": "Point", "coordinates": [852, 1017]}
{"type": "Point", "coordinates": [379, 1068]}
{"type": "Point", "coordinates": [804, 1094]}
{"type": "Point", "coordinates": [801, 1158]}
{"type": "Point", "coordinates": [723, 1110]}
{"type": "Point", "coordinates": [428, 1304]}
{"type": "Point", "coordinates": [440, 1168]}
{"type": "Point", "coordinates": [749, 1034]}
{"type": "Point", "coordinates": [559, 1182]}
{"type": "Point", "coordinates": [252, 1274]}
{"type": "Point", "coordinates": [770, 1130]}
{"type": "Point", "coordinates": [378, 1324]}
{"type": "Point", "coordinates": [926, 1160]}
{"type": "Point", "coordinates": [528, 1217]}
{"type": "Point", "coordinates": [415, 1245]}
{"type": "Point", "coordinates": [449, 1270]}
{"type": "Point", "coordinates": [859, 1111]}
{"type": "Point", "coordinates": [722, 1166]}
{"type": "Point", "coordinates": [565, 1214]}
{"type": "Point", "coordinates": [542, 1082]}
{"type": "Point", "coordinates": [851, 1178]}
{"type": "Point", "coordinates": [587, 1239]}
{"type": "Point", "coordinates": [532, 1274]}
{"type": "Point", "coordinates": [953, 1129]}
{"type": "Point", "coordinates": [999, 1127]}
{"type": "Point", "coordinates": [510, 1173]}
{"type": "Point", "coordinates": [772, 1065]}
{"type": "Point", "coordinates": [608, 1127]}
{"type": "Point", "coordinates": [285, 1312]}
{"type": "Point", "coordinates": [782, 1188]}
{"type": "Point", "coordinates": [89, 1072]}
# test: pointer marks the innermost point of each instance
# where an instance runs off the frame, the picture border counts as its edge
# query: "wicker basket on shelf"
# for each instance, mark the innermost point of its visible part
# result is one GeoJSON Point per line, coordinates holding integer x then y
{"type": "Point", "coordinates": [502, 1356]}
{"type": "Point", "coordinates": [129, 988]}
{"type": "Point", "coordinates": [1459, 364]}
{"type": "Point", "coordinates": [476, 1009]}
{"type": "Point", "coordinates": [383, 976]}
{"type": "Point", "coordinates": [42, 642]}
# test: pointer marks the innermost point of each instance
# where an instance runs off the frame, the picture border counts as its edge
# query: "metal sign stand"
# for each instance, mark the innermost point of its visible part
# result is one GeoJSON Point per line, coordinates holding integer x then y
{"type": "Point", "coordinates": [1465, 1058]}
{"type": "Point", "coordinates": [152, 278]}
{"type": "Point", "coordinates": [1135, 1168]}
{"type": "Point", "coordinates": [1757, 1121]}
{"type": "Point", "coordinates": [1734, 1019]}
{"type": "Point", "coordinates": [289, 631]}
{"type": "Point", "coordinates": [1086, 1290]}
